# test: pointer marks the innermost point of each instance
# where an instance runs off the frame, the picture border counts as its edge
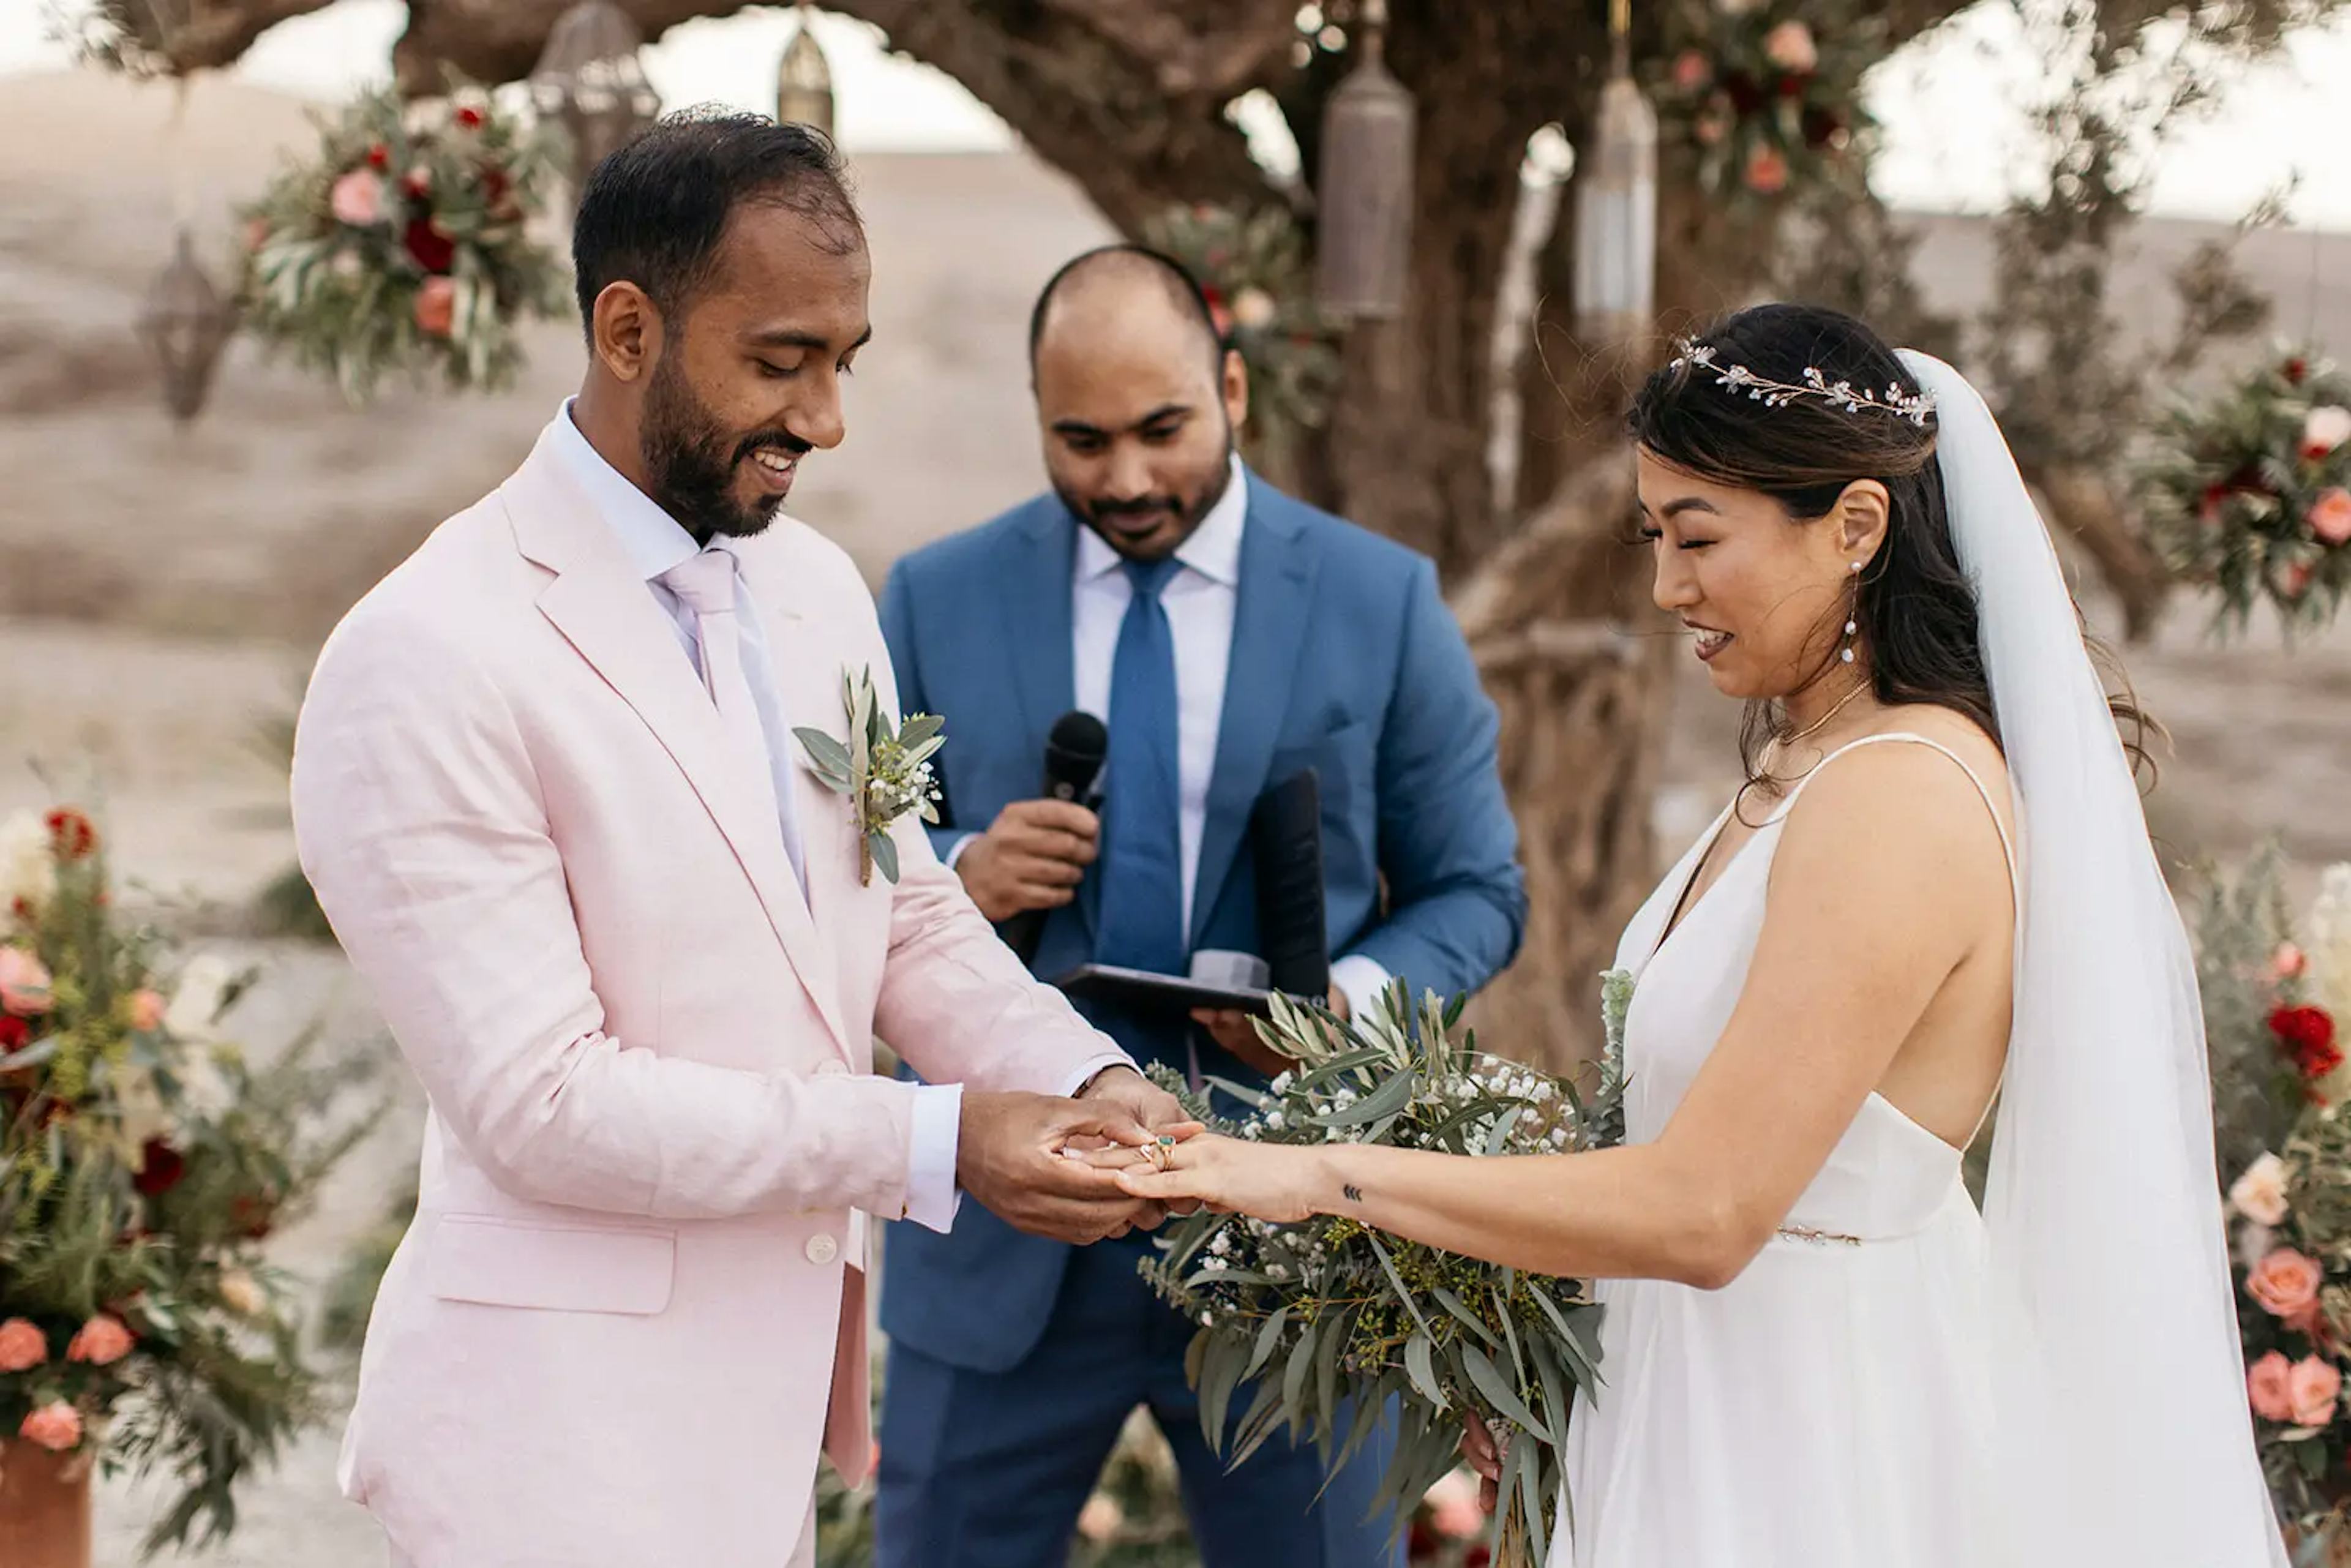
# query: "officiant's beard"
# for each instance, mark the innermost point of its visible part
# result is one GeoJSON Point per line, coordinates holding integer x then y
{"type": "Point", "coordinates": [1140, 529]}
{"type": "Point", "coordinates": [693, 464]}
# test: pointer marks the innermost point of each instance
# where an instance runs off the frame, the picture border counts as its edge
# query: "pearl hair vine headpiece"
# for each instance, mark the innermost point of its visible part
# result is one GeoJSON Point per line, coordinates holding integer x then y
{"type": "Point", "coordinates": [1914, 406]}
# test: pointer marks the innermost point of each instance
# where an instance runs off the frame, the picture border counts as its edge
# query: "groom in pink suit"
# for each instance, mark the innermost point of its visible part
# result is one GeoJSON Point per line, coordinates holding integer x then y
{"type": "Point", "coordinates": [548, 790]}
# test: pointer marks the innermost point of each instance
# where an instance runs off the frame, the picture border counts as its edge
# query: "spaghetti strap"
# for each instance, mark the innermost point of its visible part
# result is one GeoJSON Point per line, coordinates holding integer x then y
{"type": "Point", "coordinates": [2007, 845]}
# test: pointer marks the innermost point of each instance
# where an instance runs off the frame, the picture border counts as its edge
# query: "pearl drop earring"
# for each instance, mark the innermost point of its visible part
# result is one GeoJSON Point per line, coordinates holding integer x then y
{"type": "Point", "coordinates": [1853, 621]}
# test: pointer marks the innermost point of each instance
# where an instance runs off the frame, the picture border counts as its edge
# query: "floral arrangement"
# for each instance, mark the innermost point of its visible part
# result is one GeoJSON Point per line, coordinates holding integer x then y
{"type": "Point", "coordinates": [2274, 995]}
{"type": "Point", "coordinates": [1337, 1318]}
{"type": "Point", "coordinates": [404, 245]}
{"type": "Point", "coordinates": [2249, 492]}
{"type": "Point", "coordinates": [143, 1161]}
{"type": "Point", "coordinates": [1255, 271]}
{"type": "Point", "coordinates": [883, 773]}
{"type": "Point", "coordinates": [1765, 101]}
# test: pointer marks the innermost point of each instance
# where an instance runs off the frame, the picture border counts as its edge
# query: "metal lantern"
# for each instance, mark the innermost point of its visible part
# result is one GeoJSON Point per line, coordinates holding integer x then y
{"type": "Point", "coordinates": [804, 81]}
{"type": "Point", "coordinates": [185, 323]}
{"type": "Point", "coordinates": [590, 80]}
{"type": "Point", "coordinates": [1364, 238]}
{"type": "Point", "coordinates": [1616, 203]}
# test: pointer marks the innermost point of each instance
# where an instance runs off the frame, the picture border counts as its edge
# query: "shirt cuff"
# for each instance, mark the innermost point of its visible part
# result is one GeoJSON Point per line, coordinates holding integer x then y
{"type": "Point", "coordinates": [1362, 981]}
{"type": "Point", "coordinates": [955, 850]}
{"type": "Point", "coordinates": [931, 1195]}
{"type": "Point", "coordinates": [1092, 1068]}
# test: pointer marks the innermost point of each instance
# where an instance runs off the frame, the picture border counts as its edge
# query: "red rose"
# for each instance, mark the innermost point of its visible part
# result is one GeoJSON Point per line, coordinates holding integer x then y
{"type": "Point", "coordinates": [22, 908]}
{"type": "Point", "coordinates": [378, 156]}
{"type": "Point", "coordinates": [254, 1214]}
{"type": "Point", "coordinates": [161, 1168]}
{"type": "Point", "coordinates": [14, 1033]}
{"type": "Point", "coordinates": [2307, 1036]}
{"type": "Point", "coordinates": [1746, 94]}
{"type": "Point", "coordinates": [1820, 126]}
{"type": "Point", "coordinates": [433, 250]}
{"type": "Point", "coordinates": [1792, 86]}
{"type": "Point", "coordinates": [2297, 370]}
{"type": "Point", "coordinates": [71, 835]}
{"type": "Point", "coordinates": [470, 118]}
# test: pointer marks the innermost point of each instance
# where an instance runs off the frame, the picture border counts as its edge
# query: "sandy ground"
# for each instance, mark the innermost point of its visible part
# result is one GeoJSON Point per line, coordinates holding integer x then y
{"type": "Point", "coordinates": [162, 591]}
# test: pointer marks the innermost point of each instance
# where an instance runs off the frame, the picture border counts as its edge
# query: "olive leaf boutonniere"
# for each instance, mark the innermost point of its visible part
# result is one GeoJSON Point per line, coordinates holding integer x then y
{"type": "Point", "coordinates": [884, 774]}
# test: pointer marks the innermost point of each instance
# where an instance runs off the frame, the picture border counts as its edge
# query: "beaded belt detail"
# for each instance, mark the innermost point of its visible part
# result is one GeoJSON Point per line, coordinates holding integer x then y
{"type": "Point", "coordinates": [1818, 1237]}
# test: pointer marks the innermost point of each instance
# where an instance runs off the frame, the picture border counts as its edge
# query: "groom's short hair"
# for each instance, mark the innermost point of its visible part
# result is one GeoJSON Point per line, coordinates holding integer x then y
{"type": "Point", "coordinates": [654, 212]}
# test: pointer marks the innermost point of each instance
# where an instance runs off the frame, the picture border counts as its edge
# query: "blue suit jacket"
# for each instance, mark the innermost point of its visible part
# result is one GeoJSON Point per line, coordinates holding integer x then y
{"type": "Point", "coordinates": [1344, 659]}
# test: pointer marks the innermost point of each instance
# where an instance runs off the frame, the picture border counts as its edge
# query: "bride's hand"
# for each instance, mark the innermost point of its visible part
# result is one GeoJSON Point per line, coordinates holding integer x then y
{"type": "Point", "coordinates": [1275, 1182]}
{"type": "Point", "coordinates": [1478, 1448]}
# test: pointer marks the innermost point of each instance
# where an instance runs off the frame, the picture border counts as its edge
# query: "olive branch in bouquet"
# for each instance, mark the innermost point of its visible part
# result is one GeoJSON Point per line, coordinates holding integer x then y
{"type": "Point", "coordinates": [1332, 1322]}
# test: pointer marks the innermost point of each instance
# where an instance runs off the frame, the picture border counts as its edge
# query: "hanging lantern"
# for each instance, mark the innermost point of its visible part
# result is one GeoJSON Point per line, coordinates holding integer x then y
{"type": "Point", "coordinates": [1616, 203]}
{"type": "Point", "coordinates": [185, 323]}
{"type": "Point", "coordinates": [804, 81]}
{"type": "Point", "coordinates": [590, 80]}
{"type": "Point", "coordinates": [1364, 238]}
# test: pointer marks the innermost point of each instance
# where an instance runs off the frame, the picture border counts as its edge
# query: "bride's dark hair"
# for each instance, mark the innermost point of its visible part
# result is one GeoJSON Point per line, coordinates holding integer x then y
{"type": "Point", "coordinates": [1918, 610]}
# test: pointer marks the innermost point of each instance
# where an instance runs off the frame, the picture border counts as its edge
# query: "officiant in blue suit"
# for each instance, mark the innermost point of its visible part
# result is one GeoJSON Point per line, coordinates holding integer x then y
{"type": "Point", "coordinates": [1232, 638]}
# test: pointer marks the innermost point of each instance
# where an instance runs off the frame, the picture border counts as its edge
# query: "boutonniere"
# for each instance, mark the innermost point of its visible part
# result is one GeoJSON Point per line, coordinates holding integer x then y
{"type": "Point", "coordinates": [885, 775]}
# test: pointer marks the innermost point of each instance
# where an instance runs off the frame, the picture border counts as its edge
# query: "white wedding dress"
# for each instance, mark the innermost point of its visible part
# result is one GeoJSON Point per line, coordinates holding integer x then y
{"type": "Point", "coordinates": [1829, 1408]}
{"type": "Point", "coordinates": [1896, 1382]}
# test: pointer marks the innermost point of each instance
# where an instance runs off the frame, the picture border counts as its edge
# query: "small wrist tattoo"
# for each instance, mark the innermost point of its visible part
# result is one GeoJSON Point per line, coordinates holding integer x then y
{"type": "Point", "coordinates": [1351, 1192]}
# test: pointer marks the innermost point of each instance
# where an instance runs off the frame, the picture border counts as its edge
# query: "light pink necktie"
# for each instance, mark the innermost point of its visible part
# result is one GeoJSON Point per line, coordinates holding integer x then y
{"type": "Point", "coordinates": [704, 584]}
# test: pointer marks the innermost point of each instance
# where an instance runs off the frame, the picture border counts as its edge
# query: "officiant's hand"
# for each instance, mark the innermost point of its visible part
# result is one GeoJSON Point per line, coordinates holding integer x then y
{"type": "Point", "coordinates": [1485, 1456]}
{"type": "Point", "coordinates": [1009, 1157]}
{"type": "Point", "coordinates": [1032, 857]}
{"type": "Point", "coordinates": [1237, 1032]}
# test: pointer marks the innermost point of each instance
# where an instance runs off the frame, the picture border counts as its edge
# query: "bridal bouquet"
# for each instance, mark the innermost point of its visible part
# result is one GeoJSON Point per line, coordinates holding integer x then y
{"type": "Point", "coordinates": [1331, 1322]}
{"type": "Point", "coordinates": [141, 1163]}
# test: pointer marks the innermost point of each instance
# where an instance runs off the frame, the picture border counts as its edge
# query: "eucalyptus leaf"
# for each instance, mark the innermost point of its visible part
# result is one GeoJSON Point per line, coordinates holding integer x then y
{"type": "Point", "coordinates": [1385, 1101]}
{"type": "Point", "coordinates": [1418, 1364]}
{"type": "Point", "coordinates": [828, 754]}
{"type": "Point", "coordinates": [1267, 1338]}
{"type": "Point", "coordinates": [920, 728]}
{"type": "Point", "coordinates": [1499, 1392]}
{"type": "Point", "coordinates": [1462, 1314]}
{"type": "Point", "coordinates": [885, 856]}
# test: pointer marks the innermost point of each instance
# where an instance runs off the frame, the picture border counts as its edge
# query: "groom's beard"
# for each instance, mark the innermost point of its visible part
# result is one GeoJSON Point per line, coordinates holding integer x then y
{"type": "Point", "coordinates": [690, 463]}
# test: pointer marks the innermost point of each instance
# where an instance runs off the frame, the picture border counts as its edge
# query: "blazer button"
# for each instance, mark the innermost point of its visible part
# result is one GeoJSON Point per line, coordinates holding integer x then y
{"type": "Point", "coordinates": [832, 1066]}
{"type": "Point", "coordinates": [822, 1250]}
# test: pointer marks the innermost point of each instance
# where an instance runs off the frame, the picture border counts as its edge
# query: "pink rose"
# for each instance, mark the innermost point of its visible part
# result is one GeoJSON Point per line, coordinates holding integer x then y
{"type": "Point", "coordinates": [1453, 1507]}
{"type": "Point", "coordinates": [2314, 1387]}
{"type": "Point", "coordinates": [2326, 427]}
{"type": "Point", "coordinates": [1766, 172]}
{"type": "Point", "coordinates": [2287, 962]}
{"type": "Point", "coordinates": [1790, 46]}
{"type": "Point", "coordinates": [22, 1346]}
{"type": "Point", "coordinates": [146, 1010]}
{"type": "Point", "coordinates": [2259, 1194]}
{"type": "Point", "coordinates": [102, 1342]}
{"type": "Point", "coordinates": [357, 198]}
{"type": "Point", "coordinates": [2330, 515]}
{"type": "Point", "coordinates": [1691, 71]}
{"type": "Point", "coordinates": [23, 983]}
{"type": "Point", "coordinates": [55, 1426]}
{"type": "Point", "coordinates": [2268, 1383]}
{"type": "Point", "coordinates": [436, 307]}
{"type": "Point", "coordinates": [2285, 1283]}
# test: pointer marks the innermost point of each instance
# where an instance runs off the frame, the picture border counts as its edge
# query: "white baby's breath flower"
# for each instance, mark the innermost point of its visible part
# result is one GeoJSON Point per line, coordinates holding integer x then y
{"type": "Point", "coordinates": [2259, 1194]}
{"type": "Point", "coordinates": [1273, 1121]}
{"type": "Point", "coordinates": [1281, 1084]}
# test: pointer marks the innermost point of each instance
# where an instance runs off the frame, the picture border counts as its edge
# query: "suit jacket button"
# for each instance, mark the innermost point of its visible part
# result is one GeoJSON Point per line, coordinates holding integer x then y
{"type": "Point", "coordinates": [832, 1067]}
{"type": "Point", "coordinates": [822, 1250]}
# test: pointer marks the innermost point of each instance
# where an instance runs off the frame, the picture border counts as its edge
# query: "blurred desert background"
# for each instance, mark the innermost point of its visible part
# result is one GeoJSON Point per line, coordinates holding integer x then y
{"type": "Point", "coordinates": [164, 589]}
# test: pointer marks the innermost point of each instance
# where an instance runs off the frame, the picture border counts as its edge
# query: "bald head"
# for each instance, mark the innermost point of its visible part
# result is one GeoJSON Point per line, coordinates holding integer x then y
{"type": "Point", "coordinates": [1137, 397]}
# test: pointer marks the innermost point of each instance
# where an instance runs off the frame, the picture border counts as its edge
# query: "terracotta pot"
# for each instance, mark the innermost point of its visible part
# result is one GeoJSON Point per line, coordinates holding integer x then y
{"type": "Point", "coordinates": [44, 1508]}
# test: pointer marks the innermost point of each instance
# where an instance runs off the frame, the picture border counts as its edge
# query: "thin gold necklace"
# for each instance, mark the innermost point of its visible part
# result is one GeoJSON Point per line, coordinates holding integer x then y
{"type": "Point", "coordinates": [1821, 723]}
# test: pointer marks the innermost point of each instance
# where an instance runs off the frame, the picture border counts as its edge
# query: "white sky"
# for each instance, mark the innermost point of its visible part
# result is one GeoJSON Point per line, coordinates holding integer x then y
{"type": "Point", "coordinates": [1954, 134]}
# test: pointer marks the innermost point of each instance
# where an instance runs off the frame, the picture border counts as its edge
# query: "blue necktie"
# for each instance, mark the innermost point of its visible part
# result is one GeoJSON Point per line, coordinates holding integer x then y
{"type": "Point", "coordinates": [1142, 860]}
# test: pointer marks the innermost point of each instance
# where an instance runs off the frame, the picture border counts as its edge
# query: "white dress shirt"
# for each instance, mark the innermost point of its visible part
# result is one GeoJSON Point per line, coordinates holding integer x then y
{"type": "Point", "coordinates": [654, 543]}
{"type": "Point", "coordinates": [1201, 600]}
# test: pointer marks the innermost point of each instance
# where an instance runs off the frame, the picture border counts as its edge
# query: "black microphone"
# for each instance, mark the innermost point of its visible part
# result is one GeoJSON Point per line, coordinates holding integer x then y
{"type": "Point", "coordinates": [1073, 759]}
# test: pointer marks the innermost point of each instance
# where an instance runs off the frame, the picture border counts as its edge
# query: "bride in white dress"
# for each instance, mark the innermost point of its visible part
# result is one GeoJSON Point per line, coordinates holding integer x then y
{"type": "Point", "coordinates": [1933, 902]}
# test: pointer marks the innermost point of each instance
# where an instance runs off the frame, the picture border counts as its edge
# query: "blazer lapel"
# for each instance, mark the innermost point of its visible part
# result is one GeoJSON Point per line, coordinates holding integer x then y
{"type": "Point", "coordinates": [1277, 586]}
{"type": "Point", "coordinates": [604, 609]}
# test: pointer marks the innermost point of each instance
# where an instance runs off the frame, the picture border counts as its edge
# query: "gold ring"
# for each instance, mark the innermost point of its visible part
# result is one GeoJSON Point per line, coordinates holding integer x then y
{"type": "Point", "coordinates": [1157, 1152]}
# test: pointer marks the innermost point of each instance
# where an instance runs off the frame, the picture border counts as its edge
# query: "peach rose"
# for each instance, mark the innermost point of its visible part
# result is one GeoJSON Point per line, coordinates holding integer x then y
{"type": "Point", "coordinates": [22, 1346]}
{"type": "Point", "coordinates": [2269, 1384]}
{"type": "Point", "coordinates": [55, 1426]}
{"type": "Point", "coordinates": [357, 198]}
{"type": "Point", "coordinates": [2288, 962]}
{"type": "Point", "coordinates": [1790, 46]}
{"type": "Point", "coordinates": [1766, 172]}
{"type": "Point", "coordinates": [23, 983]}
{"type": "Point", "coordinates": [2285, 1283]}
{"type": "Point", "coordinates": [2314, 1386]}
{"type": "Point", "coordinates": [1254, 309]}
{"type": "Point", "coordinates": [1101, 1518]}
{"type": "Point", "coordinates": [102, 1342]}
{"type": "Point", "coordinates": [146, 1010]}
{"type": "Point", "coordinates": [436, 307]}
{"type": "Point", "coordinates": [2330, 515]}
{"type": "Point", "coordinates": [2260, 1192]}
{"type": "Point", "coordinates": [1691, 71]}
{"type": "Point", "coordinates": [241, 1294]}
{"type": "Point", "coordinates": [1452, 1506]}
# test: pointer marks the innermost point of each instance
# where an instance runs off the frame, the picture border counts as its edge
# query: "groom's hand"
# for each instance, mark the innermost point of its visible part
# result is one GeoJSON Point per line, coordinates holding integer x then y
{"type": "Point", "coordinates": [1150, 1105]}
{"type": "Point", "coordinates": [1009, 1157]}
